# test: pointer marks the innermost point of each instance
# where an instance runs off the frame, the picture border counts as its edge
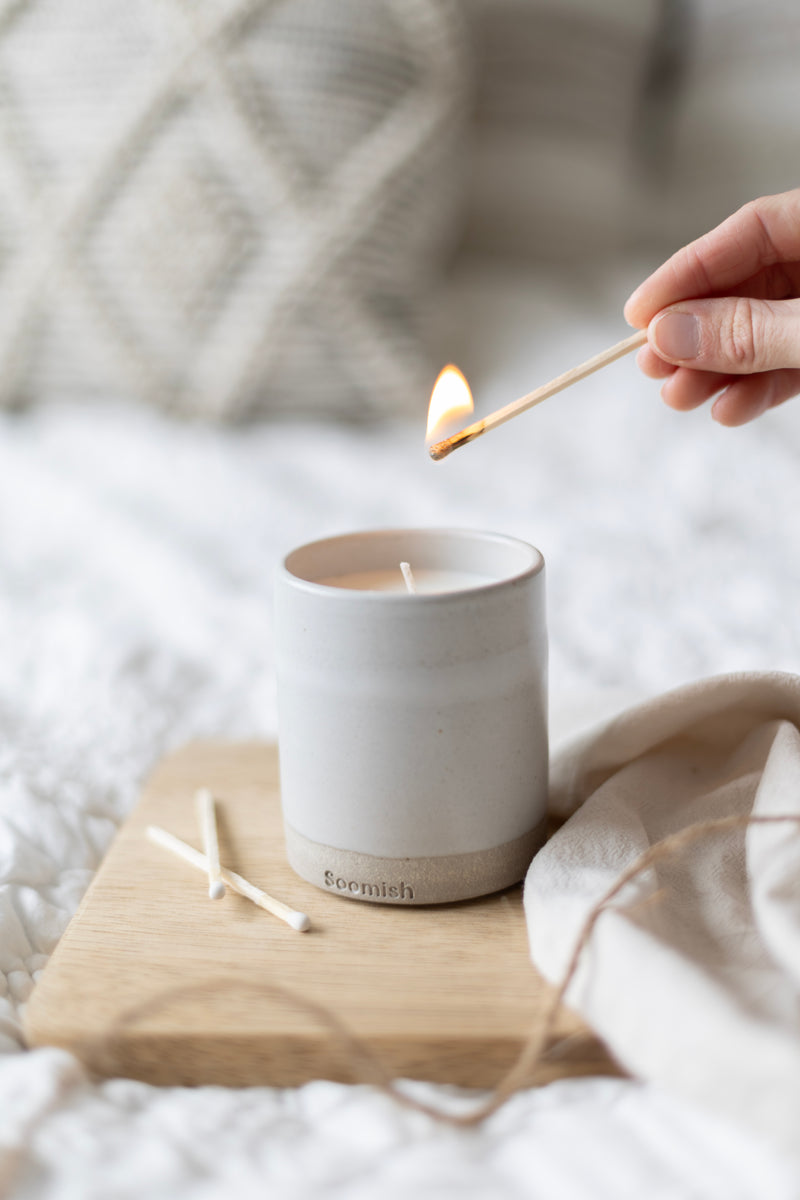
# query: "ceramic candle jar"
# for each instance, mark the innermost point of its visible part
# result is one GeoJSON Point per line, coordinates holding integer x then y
{"type": "Point", "coordinates": [413, 727]}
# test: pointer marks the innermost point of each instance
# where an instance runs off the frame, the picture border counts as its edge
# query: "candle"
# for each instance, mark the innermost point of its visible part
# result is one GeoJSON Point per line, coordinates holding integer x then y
{"type": "Point", "coordinates": [428, 581]}
{"type": "Point", "coordinates": [413, 733]}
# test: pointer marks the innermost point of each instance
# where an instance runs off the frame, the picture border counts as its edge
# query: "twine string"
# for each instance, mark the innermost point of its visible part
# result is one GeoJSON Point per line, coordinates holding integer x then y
{"type": "Point", "coordinates": [366, 1065]}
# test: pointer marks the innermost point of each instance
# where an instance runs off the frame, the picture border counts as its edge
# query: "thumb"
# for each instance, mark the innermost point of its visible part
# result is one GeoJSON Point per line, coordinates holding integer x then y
{"type": "Point", "coordinates": [733, 335]}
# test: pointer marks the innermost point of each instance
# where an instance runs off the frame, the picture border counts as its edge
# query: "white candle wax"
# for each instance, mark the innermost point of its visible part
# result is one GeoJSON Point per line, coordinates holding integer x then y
{"type": "Point", "coordinates": [428, 580]}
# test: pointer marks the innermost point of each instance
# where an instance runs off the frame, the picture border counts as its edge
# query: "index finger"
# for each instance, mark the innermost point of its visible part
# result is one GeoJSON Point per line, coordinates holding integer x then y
{"type": "Point", "coordinates": [764, 232]}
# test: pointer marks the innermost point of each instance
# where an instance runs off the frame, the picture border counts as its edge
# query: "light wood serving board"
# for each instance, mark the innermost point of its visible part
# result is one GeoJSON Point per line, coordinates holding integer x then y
{"type": "Point", "coordinates": [155, 981]}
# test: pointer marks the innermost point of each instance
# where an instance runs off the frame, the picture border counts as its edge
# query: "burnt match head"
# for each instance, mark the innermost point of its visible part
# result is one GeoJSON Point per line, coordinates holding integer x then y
{"type": "Point", "coordinates": [441, 450]}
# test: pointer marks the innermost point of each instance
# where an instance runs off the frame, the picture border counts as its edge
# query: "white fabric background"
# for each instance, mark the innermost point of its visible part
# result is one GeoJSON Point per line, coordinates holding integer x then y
{"type": "Point", "coordinates": [135, 583]}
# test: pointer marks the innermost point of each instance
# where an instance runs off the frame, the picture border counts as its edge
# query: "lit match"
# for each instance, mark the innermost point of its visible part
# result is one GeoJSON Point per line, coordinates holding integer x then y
{"type": "Point", "coordinates": [439, 417]}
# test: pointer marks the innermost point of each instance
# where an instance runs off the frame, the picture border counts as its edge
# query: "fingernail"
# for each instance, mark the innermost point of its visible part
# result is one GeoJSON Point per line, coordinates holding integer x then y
{"type": "Point", "coordinates": [627, 305]}
{"type": "Point", "coordinates": [677, 335]}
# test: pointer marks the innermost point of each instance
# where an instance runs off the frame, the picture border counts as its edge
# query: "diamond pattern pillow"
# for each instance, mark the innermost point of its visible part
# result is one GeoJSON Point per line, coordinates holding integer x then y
{"type": "Point", "coordinates": [226, 207]}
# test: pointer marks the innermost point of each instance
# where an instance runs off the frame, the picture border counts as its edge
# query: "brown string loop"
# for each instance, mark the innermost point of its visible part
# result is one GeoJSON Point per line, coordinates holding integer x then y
{"type": "Point", "coordinates": [366, 1065]}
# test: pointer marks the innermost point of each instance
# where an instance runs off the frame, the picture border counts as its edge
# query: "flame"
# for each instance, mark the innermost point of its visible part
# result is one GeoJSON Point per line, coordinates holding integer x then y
{"type": "Point", "coordinates": [451, 402]}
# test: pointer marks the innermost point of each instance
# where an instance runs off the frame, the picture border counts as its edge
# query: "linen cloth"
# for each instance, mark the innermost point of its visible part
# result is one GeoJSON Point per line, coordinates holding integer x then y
{"type": "Point", "coordinates": [691, 974]}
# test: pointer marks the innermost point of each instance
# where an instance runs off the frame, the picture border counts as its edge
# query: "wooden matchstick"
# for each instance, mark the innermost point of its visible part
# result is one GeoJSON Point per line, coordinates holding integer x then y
{"type": "Point", "coordinates": [207, 816]}
{"type": "Point", "coordinates": [168, 841]}
{"type": "Point", "coordinates": [442, 449]}
{"type": "Point", "coordinates": [408, 575]}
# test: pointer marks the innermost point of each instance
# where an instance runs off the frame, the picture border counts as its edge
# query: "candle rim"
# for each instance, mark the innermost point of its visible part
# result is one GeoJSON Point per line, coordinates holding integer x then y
{"type": "Point", "coordinates": [508, 541]}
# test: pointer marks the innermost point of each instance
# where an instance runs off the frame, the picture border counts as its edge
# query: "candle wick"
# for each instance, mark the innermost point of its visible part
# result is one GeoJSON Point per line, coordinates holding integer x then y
{"type": "Point", "coordinates": [408, 575]}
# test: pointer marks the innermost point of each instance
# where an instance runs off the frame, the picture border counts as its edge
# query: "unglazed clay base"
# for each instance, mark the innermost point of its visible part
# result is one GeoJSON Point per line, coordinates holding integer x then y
{"type": "Point", "coordinates": [436, 880]}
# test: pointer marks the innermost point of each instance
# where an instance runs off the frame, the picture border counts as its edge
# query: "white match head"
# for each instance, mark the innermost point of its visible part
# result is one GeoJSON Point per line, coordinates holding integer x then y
{"type": "Point", "coordinates": [299, 921]}
{"type": "Point", "coordinates": [216, 890]}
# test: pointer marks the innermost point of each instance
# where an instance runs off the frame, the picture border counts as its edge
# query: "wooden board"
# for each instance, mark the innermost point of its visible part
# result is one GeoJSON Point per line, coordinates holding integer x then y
{"type": "Point", "coordinates": [155, 981]}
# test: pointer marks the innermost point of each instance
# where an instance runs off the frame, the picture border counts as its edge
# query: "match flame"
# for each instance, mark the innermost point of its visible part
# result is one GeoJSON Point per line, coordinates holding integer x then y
{"type": "Point", "coordinates": [451, 403]}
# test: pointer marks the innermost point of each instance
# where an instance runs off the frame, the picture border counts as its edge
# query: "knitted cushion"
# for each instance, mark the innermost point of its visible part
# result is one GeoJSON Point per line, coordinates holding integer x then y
{"type": "Point", "coordinates": [559, 93]}
{"type": "Point", "coordinates": [736, 133]}
{"type": "Point", "coordinates": [225, 207]}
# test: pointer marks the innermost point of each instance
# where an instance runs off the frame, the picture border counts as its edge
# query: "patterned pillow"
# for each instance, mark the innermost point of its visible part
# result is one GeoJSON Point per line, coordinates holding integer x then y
{"type": "Point", "coordinates": [226, 207]}
{"type": "Point", "coordinates": [559, 98]}
{"type": "Point", "coordinates": [735, 131]}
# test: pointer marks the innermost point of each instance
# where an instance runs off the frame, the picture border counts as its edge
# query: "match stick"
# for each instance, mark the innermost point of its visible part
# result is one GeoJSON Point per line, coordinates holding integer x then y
{"type": "Point", "coordinates": [207, 816]}
{"type": "Point", "coordinates": [442, 449]}
{"type": "Point", "coordinates": [408, 575]}
{"type": "Point", "coordinates": [168, 841]}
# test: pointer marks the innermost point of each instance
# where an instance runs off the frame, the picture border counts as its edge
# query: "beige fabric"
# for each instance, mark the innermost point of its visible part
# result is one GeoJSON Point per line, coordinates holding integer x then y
{"type": "Point", "coordinates": [697, 989]}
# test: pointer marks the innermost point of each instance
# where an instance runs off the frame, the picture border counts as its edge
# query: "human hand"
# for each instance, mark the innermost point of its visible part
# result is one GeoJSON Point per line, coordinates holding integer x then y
{"type": "Point", "coordinates": [723, 314]}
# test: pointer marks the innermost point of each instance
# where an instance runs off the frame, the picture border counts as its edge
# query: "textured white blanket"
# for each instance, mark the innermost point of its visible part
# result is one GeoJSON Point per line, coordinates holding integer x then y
{"type": "Point", "coordinates": [135, 598]}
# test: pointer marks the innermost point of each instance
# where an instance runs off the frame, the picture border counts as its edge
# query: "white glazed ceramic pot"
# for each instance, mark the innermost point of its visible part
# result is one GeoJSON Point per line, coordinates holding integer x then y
{"type": "Point", "coordinates": [413, 727]}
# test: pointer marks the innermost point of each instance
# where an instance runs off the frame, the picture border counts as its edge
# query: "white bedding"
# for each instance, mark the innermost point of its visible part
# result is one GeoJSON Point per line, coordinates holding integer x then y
{"type": "Point", "coordinates": [135, 594]}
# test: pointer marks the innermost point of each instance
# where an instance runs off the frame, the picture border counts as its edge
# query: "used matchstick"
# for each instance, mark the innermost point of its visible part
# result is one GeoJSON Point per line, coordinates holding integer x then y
{"type": "Point", "coordinates": [207, 816]}
{"type": "Point", "coordinates": [442, 449]}
{"type": "Point", "coordinates": [408, 575]}
{"type": "Point", "coordinates": [168, 841]}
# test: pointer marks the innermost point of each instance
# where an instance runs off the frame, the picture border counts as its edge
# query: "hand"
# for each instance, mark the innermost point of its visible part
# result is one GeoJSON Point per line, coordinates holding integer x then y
{"type": "Point", "coordinates": [723, 314]}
